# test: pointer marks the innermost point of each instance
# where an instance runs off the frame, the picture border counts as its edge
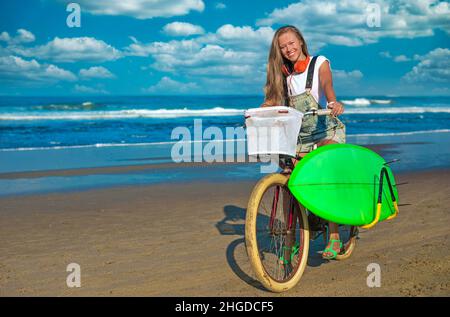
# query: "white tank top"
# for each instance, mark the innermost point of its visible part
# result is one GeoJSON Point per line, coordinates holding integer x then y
{"type": "Point", "coordinates": [296, 83]}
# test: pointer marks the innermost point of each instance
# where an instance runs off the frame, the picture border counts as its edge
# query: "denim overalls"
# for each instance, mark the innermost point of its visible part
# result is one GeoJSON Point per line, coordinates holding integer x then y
{"type": "Point", "coordinates": [314, 128]}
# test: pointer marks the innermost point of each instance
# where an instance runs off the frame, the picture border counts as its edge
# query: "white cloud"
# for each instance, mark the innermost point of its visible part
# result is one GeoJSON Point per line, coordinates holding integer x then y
{"type": "Point", "coordinates": [168, 48]}
{"type": "Point", "coordinates": [96, 72]}
{"type": "Point", "coordinates": [231, 59]}
{"type": "Point", "coordinates": [441, 91]}
{"type": "Point", "coordinates": [224, 70]}
{"type": "Point", "coordinates": [433, 67]}
{"type": "Point", "coordinates": [23, 36]}
{"type": "Point", "coordinates": [344, 75]}
{"type": "Point", "coordinates": [142, 9]}
{"type": "Point", "coordinates": [224, 52]}
{"type": "Point", "coordinates": [241, 38]}
{"type": "Point", "coordinates": [345, 22]}
{"type": "Point", "coordinates": [15, 68]}
{"type": "Point", "coordinates": [345, 81]}
{"type": "Point", "coordinates": [190, 58]}
{"type": "Point", "coordinates": [244, 36]}
{"type": "Point", "coordinates": [72, 50]}
{"type": "Point", "coordinates": [401, 58]}
{"type": "Point", "coordinates": [220, 6]}
{"type": "Point", "coordinates": [182, 29]}
{"type": "Point", "coordinates": [228, 60]}
{"type": "Point", "coordinates": [89, 90]}
{"type": "Point", "coordinates": [232, 85]}
{"type": "Point", "coordinates": [169, 86]}
{"type": "Point", "coordinates": [4, 36]}
{"type": "Point", "coordinates": [385, 54]}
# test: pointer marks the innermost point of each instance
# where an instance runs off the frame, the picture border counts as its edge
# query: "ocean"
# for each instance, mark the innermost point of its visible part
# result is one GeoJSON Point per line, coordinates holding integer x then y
{"type": "Point", "coordinates": [31, 123]}
{"type": "Point", "coordinates": [47, 133]}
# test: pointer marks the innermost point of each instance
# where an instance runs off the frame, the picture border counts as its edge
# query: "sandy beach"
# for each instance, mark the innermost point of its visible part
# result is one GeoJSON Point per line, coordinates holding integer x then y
{"type": "Point", "coordinates": [188, 240]}
{"type": "Point", "coordinates": [132, 134]}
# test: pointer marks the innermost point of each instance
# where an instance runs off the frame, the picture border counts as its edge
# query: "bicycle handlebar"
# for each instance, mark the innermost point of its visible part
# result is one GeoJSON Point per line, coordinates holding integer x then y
{"type": "Point", "coordinates": [312, 112]}
{"type": "Point", "coordinates": [318, 112]}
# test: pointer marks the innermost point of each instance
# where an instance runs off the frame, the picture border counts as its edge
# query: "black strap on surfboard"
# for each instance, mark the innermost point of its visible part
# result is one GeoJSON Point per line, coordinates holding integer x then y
{"type": "Point", "coordinates": [310, 76]}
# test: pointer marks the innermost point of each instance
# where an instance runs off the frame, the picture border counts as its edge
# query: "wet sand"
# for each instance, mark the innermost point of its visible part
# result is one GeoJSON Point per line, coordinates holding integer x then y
{"type": "Point", "coordinates": [148, 168]}
{"type": "Point", "coordinates": [188, 240]}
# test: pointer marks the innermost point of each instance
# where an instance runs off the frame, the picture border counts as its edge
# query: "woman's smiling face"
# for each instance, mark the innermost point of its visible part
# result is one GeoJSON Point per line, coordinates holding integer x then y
{"type": "Point", "coordinates": [290, 46]}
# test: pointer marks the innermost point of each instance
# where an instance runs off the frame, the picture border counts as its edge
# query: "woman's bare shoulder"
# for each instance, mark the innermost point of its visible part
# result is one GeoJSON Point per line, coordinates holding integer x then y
{"type": "Point", "coordinates": [323, 62]}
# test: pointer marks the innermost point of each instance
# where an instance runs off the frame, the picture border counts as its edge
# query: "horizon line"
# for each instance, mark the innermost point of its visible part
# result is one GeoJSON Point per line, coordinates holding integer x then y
{"type": "Point", "coordinates": [209, 95]}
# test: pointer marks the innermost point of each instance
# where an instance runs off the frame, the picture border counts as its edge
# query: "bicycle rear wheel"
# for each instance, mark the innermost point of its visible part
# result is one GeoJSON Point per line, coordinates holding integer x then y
{"type": "Point", "coordinates": [276, 234]}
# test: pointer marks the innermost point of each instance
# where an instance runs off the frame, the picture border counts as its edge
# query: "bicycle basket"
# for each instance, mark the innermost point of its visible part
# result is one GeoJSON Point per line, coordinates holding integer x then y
{"type": "Point", "coordinates": [272, 130]}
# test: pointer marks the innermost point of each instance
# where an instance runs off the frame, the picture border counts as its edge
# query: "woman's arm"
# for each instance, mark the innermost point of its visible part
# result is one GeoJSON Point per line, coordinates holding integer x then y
{"type": "Point", "coordinates": [326, 83]}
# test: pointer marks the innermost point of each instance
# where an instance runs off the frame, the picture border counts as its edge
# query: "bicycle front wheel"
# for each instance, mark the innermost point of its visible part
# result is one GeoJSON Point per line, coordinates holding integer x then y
{"type": "Point", "coordinates": [276, 234]}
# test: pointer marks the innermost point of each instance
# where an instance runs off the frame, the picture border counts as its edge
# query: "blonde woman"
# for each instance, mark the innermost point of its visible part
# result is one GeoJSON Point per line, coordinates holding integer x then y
{"type": "Point", "coordinates": [296, 79]}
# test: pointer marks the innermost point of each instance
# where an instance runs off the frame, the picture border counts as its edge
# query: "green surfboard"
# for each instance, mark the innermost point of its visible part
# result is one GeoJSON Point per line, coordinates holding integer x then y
{"type": "Point", "coordinates": [340, 183]}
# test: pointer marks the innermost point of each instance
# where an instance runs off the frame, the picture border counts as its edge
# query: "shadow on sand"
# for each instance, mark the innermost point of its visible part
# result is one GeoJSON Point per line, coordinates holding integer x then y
{"type": "Point", "coordinates": [234, 224]}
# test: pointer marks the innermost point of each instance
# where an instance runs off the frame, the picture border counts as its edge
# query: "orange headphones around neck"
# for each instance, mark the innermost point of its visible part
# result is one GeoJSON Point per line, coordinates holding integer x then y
{"type": "Point", "coordinates": [299, 67]}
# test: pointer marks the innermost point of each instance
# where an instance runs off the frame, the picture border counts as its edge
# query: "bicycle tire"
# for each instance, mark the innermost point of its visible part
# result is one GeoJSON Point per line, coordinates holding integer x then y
{"type": "Point", "coordinates": [254, 252]}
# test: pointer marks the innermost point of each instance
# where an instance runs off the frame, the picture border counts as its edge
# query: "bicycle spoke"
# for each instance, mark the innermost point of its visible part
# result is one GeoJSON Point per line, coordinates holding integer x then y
{"type": "Point", "coordinates": [264, 207]}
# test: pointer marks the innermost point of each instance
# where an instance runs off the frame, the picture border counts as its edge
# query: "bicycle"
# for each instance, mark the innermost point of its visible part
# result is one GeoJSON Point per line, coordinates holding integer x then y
{"type": "Point", "coordinates": [277, 239]}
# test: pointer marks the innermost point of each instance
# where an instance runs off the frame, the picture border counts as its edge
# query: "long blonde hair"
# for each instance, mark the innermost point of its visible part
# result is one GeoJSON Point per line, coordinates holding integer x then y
{"type": "Point", "coordinates": [274, 89]}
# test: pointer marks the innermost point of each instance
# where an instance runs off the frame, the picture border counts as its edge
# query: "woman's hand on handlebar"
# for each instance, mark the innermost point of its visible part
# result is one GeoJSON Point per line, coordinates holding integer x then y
{"type": "Point", "coordinates": [336, 107]}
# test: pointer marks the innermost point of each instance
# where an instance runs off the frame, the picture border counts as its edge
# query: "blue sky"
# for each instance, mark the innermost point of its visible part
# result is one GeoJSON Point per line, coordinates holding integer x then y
{"type": "Point", "coordinates": [153, 47]}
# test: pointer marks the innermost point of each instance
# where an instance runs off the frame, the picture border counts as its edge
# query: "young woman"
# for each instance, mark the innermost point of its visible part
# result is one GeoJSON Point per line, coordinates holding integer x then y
{"type": "Point", "coordinates": [288, 83]}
